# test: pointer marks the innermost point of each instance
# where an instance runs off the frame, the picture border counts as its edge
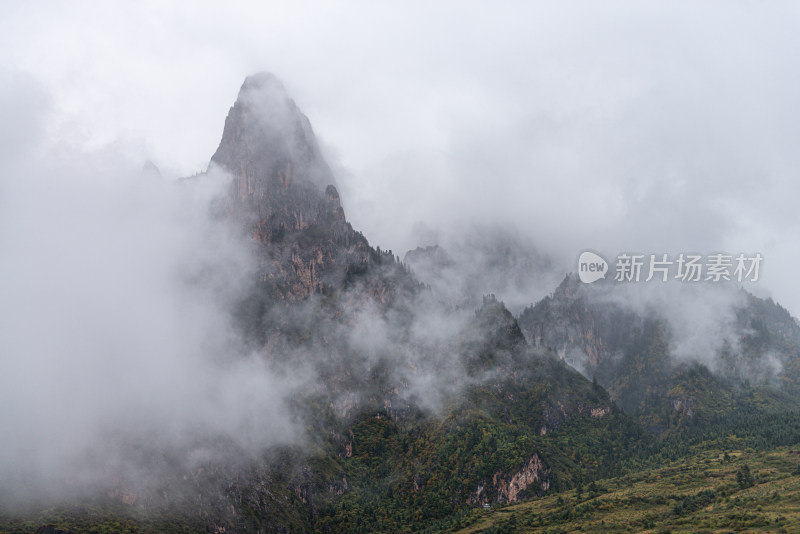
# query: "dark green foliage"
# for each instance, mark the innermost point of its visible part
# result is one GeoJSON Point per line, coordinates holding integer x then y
{"type": "Point", "coordinates": [421, 475]}
{"type": "Point", "coordinates": [744, 477]}
{"type": "Point", "coordinates": [691, 503]}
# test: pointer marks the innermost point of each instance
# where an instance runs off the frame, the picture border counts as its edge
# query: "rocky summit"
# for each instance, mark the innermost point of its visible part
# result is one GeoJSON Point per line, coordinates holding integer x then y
{"type": "Point", "coordinates": [284, 194]}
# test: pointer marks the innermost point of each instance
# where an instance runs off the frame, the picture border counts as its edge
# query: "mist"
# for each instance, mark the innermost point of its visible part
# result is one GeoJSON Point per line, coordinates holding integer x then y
{"type": "Point", "coordinates": [123, 362]}
{"type": "Point", "coordinates": [558, 129]}
{"type": "Point", "coordinates": [118, 287]}
{"type": "Point", "coordinates": [701, 319]}
{"type": "Point", "coordinates": [651, 128]}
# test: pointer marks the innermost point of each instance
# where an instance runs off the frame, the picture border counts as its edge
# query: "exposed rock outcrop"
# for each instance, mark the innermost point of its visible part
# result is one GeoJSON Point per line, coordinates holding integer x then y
{"type": "Point", "coordinates": [283, 194]}
{"type": "Point", "coordinates": [533, 478]}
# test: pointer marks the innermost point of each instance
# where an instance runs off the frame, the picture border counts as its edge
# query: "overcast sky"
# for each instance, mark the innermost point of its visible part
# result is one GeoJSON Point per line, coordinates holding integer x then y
{"type": "Point", "coordinates": [617, 126]}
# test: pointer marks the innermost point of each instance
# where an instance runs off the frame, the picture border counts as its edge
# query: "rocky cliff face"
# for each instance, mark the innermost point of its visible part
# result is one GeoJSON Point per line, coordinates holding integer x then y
{"type": "Point", "coordinates": [587, 334]}
{"type": "Point", "coordinates": [283, 194]}
{"type": "Point", "coordinates": [532, 479]}
{"type": "Point", "coordinates": [632, 350]}
{"type": "Point", "coordinates": [268, 143]}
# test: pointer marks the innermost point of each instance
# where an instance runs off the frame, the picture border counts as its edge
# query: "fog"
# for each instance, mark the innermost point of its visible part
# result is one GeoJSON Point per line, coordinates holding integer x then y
{"type": "Point", "coordinates": [700, 319]}
{"type": "Point", "coordinates": [653, 128]}
{"type": "Point", "coordinates": [117, 289]}
{"type": "Point", "coordinates": [647, 128]}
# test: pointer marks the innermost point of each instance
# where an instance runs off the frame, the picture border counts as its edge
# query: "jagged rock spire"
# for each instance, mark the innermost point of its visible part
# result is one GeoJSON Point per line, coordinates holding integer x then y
{"type": "Point", "coordinates": [268, 142]}
{"type": "Point", "coordinates": [283, 194]}
{"type": "Point", "coordinates": [282, 184]}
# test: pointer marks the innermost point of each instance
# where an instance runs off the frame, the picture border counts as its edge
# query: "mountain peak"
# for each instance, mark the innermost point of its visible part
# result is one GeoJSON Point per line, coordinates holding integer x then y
{"type": "Point", "coordinates": [263, 92]}
{"type": "Point", "coordinates": [267, 142]}
{"type": "Point", "coordinates": [282, 192]}
{"type": "Point", "coordinates": [260, 79]}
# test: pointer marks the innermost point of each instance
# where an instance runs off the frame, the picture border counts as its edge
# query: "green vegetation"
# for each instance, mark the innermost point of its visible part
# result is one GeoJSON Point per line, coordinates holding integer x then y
{"type": "Point", "coordinates": [699, 493]}
{"type": "Point", "coordinates": [425, 474]}
{"type": "Point", "coordinates": [419, 474]}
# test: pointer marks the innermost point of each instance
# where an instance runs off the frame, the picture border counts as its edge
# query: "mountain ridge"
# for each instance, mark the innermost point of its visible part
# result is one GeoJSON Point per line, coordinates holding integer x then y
{"type": "Point", "coordinates": [635, 347]}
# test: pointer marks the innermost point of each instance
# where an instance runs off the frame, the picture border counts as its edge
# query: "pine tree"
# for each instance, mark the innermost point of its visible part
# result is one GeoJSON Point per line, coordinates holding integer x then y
{"type": "Point", "coordinates": [744, 477]}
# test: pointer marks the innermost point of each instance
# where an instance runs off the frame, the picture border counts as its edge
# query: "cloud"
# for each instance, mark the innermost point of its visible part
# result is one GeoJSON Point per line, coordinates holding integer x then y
{"type": "Point", "coordinates": [117, 291]}
{"type": "Point", "coordinates": [621, 126]}
{"type": "Point", "coordinates": [701, 318]}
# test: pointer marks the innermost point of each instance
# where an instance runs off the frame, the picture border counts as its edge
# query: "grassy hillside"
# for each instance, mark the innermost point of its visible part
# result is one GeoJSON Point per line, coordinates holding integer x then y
{"type": "Point", "coordinates": [705, 492]}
